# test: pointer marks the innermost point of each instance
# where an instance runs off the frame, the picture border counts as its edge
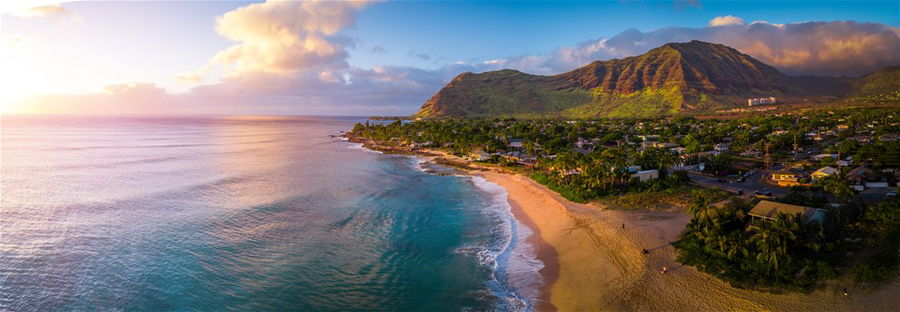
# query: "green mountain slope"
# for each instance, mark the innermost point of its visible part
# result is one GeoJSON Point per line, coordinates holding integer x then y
{"type": "Point", "coordinates": [880, 87]}
{"type": "Point", "coordinates": [670, 79]}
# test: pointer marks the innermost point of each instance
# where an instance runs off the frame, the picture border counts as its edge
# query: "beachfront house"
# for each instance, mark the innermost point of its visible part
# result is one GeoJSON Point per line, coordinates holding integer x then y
{"type": "Point", "coordinates": [479, 156]}
{"type": "Point", "coordinates": [769, 210]}
{"type": "Point", "coordinates": [788, 177]}
{"type": "Point", "coordinates": [823, 172]}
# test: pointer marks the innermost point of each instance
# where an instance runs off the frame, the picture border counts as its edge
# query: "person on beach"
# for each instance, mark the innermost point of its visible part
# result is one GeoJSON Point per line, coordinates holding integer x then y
{"type": "Point", "coordinates": [664, 269]}
{"type": "Point", "coordinates": [645, 251]}
{"type": "Point", "coordinates": [845, 293]}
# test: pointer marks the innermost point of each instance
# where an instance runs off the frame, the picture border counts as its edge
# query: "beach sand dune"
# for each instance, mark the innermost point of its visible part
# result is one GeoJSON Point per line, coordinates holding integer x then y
{"type": "Point", "coordinates": [592, 263]}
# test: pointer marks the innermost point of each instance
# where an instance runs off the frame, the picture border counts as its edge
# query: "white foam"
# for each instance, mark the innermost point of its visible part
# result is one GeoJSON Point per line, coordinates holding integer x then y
{"type": "Point", "coordinates": [419, 163]}
{"type": "Point", "coordinates": [359, 146]}
{"type": "Point", "coordinates": [515, 258]}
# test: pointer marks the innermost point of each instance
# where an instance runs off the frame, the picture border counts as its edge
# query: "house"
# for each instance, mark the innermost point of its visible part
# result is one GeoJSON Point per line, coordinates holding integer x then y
{"type": "Point", "coordinates": [421, 144]}
{"type": "Point", "coordinates": [761, 101]}
{"type": "Point", "coordinates": [769, 210]}
{"type": "Point", "coordinates": [823, 172]}
{"type": "Point", "coordinates": [678, 150]}
{"type": "Point", "coordinates": [788, 177]}
{"type": "Point", "coordinates": [585, 144]}
{"type": "Point", "coordinates": [513, 156]}
{"type": "Point", "coordinates": [820, 157]}
{"type": "Point", "coordinates": [515, 143]}
{"type": "Point", "coordinates": [843, 127]}
{"type": "Point", "coordinates": [645, 175]}
{"type": "Point", "coordinates": [479, 156]}
{"type": "Point", "coordinates": [751, 153]}
{"type": "Point", "coordinates": [861, 174]}
{"type": "Point", "coordinates": [528, 162]}
{"type": "Point", "coordinates": [721, 147]}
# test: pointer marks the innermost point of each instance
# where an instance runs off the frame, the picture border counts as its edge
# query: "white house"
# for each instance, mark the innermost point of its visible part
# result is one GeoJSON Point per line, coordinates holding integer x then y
{"type": "Point", "coordinates": [645, 175]}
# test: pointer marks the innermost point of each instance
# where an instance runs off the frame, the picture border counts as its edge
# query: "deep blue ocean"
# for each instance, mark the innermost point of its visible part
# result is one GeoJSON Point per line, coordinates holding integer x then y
{"type": "Point", "coordinates": [244, 213]}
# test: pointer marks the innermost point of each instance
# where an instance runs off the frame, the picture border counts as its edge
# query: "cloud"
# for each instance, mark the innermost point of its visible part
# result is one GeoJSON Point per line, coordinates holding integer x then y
{"type": "Point", "coordinates": [134, 89]}
{"type": "Point", "coordinates": [125, 98]}
{"type": "Point", "coordinates": [378, 49]}
{"type": "Point", "coordinates": [291, 58]}
{"type": "Point", "coordinates": [283, 38]}
{"type": "Point", "coordinates": [54, 11]}
{"type": "Point", "coordinates": [807, 48]}
{"type": "Point", "coordinates": [423, 56]}
{"type": "Point", "coordinates": [726, 20]}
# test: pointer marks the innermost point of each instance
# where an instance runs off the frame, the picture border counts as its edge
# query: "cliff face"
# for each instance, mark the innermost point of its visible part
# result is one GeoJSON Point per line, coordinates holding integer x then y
{"type": "Point", "coordinates": [665, 80]}
{"type": "Point", "coordinates": [694, 66]}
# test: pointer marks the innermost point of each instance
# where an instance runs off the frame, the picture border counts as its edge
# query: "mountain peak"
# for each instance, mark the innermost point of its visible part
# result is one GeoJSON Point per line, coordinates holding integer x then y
{"type": "Point", "coordinates": [668, 79]}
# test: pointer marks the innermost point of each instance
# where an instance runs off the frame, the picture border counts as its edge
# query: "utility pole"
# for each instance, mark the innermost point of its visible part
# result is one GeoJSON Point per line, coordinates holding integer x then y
{"type": "Point", "coordinates": [839, 162]}
{"type": "Point", "coordinates": [795, 143]}
{"type": "Point", "coordinates": [767, 157]}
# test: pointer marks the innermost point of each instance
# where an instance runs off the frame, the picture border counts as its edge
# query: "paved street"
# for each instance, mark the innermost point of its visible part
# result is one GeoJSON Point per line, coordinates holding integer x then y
{"type": "Point", "coordinates": [752, 183]}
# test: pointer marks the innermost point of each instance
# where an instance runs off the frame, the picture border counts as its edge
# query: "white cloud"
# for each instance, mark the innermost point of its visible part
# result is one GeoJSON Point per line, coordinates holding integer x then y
{"type": "Point", "coordinates": [806, 48]}
{"type": "Point", "coordinates": [726, 20]}
{"type": "Point", "coordinates": [54, 11]}
{"type": "Point", "coordinates": [283, 38]}
{"type": "Point", "coordinates": [291, 57]}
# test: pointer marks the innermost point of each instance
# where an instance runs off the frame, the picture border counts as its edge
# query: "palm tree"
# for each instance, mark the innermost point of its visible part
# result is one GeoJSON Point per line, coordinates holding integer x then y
{"type": "Point", "coordinates": [837, 185]}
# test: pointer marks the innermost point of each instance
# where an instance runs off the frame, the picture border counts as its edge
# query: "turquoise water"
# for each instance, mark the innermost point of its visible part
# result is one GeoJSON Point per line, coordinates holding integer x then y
{"type": "Point", "coordinates": [215, 214]}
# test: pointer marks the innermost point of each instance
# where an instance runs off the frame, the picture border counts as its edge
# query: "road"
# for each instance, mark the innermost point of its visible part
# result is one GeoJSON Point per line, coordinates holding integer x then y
{"type": "Point", "coordinates": [752, 183]}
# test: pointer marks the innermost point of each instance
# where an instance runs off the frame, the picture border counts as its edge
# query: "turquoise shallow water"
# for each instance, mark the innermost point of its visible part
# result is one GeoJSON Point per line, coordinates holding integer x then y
{"type": "Point", "coordinates": [217, 214]}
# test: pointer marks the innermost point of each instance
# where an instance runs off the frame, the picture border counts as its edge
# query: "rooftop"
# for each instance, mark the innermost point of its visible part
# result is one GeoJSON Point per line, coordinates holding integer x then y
{"type": "Point", "coordinates": [769, 210]}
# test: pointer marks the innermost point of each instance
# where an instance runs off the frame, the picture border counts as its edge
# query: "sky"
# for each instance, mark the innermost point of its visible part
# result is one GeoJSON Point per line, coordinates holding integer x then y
{"type": "Point", "coordinates": [384, 57]}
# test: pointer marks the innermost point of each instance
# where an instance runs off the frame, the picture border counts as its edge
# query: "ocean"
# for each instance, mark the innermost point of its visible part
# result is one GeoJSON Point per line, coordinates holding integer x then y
{"type": "Point", "coordinates": [244, 213]}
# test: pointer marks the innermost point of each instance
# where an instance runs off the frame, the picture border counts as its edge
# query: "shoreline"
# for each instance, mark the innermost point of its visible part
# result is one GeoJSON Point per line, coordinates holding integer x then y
{"type": "Point", "coordinates": [543, 252]}
{"type": "Point", "coordinates": [593, 261]}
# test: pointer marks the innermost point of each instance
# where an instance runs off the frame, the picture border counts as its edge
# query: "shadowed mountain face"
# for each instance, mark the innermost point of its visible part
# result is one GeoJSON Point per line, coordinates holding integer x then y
{"type": "Point", "coordinates": [671, 79]}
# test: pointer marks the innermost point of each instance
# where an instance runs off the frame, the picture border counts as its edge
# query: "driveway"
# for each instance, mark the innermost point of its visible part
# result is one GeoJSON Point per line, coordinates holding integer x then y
{"type": "Point", "coordinates": [752, 183]}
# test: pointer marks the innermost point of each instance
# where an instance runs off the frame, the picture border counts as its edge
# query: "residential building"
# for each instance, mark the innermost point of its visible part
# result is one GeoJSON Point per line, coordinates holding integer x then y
{"type": "Point", "coordinates": [861, 174]}
{"type": "Point", "coordinates": [823, 172]}
{"type": "Point", "coordinates": [788, 177]}
{"type": "Point", "coordinates": [721, 147]}
{"type": "Point", "coordinates": [761, 101]}
{"type": "Point", "coordinates": [769, 210]}
{"type": "Point", "coordinates": [645, 175]}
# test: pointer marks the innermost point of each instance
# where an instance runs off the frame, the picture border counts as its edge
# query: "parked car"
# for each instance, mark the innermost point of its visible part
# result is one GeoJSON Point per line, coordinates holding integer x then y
{"type": "Point", "coordinates": [740, 192]}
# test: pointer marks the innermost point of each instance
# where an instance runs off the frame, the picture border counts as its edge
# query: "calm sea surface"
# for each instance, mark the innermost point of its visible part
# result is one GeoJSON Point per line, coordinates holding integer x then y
{"type": "Point", "coordinates": [213, 214]}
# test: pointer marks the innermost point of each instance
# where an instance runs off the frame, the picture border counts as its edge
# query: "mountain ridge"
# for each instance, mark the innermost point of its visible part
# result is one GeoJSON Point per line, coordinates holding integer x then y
{"type": "Point", "coordinates": [671, 79]}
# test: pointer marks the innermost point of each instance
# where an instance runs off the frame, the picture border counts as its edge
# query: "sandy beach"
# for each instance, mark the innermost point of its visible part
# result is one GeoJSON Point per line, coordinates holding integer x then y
{"type": "Point", "coordinates": [593, 262]}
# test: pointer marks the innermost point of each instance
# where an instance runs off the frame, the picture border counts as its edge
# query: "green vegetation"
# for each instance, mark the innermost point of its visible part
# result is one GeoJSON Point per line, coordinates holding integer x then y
{"type": "Point", "coordinates": [675, 197]}
{"type": "Point", "coordinates": [675, 78]}
{"type": "Point", "coordinates": [725, 242]}
{"type": "Point", "coordinates": [616, 161]}
{"type": "Point", "coordinates": [787, 254]}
